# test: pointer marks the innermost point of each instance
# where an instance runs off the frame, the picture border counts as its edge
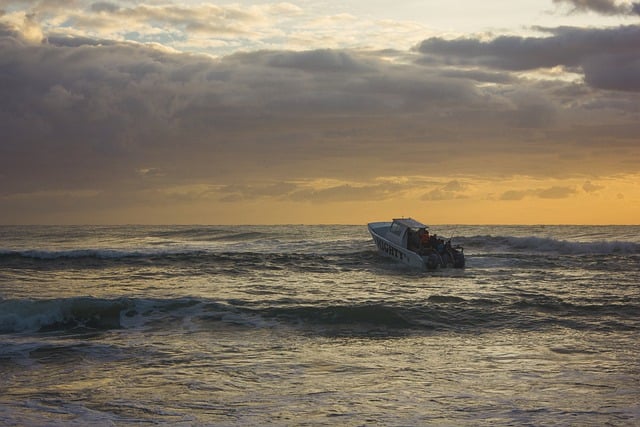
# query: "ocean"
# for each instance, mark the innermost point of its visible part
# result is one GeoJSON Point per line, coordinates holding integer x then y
{"type": "Point", "coordinates": [309, 325]}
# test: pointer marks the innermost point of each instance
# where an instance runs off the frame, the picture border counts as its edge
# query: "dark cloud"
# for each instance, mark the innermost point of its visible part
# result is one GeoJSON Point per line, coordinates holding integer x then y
{"type": "Point", "coordinates": [100, 119]}
{"type": "Point", "coordinates": [609, 58]}
{"type": "Point", "coordinates": [319, 61]}
{"type": "Point", "coordinates": [7, 33]}
{"type": "Point", "coordinates": [481, 76]}
{"type": "Point", "coordinates": [605, 7]}
{"type": "Point", "coordinates": [63, 40]}
{"type": "Point", "coordinates": [103, 6]}
{"type": "Point", "coordinates": [614, 71]}
{"type": "Point", "coordinates": [345, 81]}
{"type": "Point", "coordinates": [531, 110]}
{"type": "Point", "coordinates": [81, 112]}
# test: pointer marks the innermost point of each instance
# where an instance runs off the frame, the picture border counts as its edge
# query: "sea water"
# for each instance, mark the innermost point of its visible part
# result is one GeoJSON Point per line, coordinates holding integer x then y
{"type": "Point", "coordinates": [309, 325]}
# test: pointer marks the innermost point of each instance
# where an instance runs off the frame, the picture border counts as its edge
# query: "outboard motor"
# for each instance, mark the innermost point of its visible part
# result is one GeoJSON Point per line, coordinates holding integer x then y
{"type": "Point", "coordinates": [458, 257]}
{"type": "Point", "coordinates": [433, 261]}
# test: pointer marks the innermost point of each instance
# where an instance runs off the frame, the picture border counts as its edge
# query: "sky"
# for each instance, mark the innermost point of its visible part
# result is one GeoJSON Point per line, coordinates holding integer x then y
{"type": "Point", "coordinates": [319, 112]}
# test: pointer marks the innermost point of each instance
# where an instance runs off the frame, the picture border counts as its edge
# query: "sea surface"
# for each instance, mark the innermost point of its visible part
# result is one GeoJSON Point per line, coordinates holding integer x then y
{"type": "Point", "coordinates": [309, 325]}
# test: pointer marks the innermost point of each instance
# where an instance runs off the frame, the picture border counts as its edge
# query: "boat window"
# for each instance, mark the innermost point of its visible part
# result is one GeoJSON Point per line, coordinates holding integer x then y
{"type": "Point", "coordinates": [396, 228]}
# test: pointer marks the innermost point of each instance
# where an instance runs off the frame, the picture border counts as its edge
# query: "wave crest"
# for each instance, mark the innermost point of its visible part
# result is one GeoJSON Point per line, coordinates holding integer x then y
{"type": "Point", "coordinates": [61, 314]}
{"type": "Point", "coordinates": [548, 245]}
{"type": "Point", "coordinates": [437, 313]}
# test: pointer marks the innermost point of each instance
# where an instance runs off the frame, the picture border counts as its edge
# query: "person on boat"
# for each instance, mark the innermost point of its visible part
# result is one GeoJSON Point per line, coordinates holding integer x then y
{"type": "Point", "coordinates": [450, 251]}
{"type": "Point", "coordinates": [437, 243]}
{"type": "Point", "coordinates": [433, 241]}
{"type": "Point", "coordinates": [425, 241]}
{"type": "Point", "coordinates": [413, 240]}
{"type": "Point", "coordinates": [424, 238]}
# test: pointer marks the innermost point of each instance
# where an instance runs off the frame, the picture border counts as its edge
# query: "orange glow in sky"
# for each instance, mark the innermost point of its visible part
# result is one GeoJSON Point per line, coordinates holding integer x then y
{"type": "Point", "coordinates": [268, 113]}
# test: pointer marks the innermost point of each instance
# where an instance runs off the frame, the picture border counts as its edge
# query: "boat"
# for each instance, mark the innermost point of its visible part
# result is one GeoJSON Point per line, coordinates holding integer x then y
{"type": "Point", "coordinates": [409, 242]}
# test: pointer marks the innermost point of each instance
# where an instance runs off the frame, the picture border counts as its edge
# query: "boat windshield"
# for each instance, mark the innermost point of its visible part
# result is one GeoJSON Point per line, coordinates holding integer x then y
{"type": "Point", "coordinates": [396, 228]}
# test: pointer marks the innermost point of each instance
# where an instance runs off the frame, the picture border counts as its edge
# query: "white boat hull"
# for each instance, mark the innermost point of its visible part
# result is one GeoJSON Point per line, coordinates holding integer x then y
{"type": "Point", "coordinates": [392, 250]}
{"type": "Point", "coordinates": [425, 260]}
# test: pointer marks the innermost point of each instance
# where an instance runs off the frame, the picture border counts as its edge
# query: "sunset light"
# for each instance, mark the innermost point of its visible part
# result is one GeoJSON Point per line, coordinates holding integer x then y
{"type": "Point", "coordinates": [319, 213]}
{"type": "Point", "coordinates": [319, 112]}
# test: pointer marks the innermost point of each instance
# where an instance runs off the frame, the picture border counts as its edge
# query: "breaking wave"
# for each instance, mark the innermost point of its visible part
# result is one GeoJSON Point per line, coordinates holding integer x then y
{"type": "Point", "coordinates": [438, 313]}
{"type": "Point", "coordinates": [480, 243]}
{"type": "Point", "coordinates": [60, 314]}
{"type": "Point", "coordinates": [547, 245]}
{"type": "Point", "coordinates": [105, 254]}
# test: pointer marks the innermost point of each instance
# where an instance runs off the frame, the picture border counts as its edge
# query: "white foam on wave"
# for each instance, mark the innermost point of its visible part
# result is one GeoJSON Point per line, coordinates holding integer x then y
{"type": "Point", "coordinates": [550, 245]}
{"type": "Point", "coordinates": [40, 254]}
{"type": "Point", "coordinates": [35, 315]}
{"type": "Point", "coordinates": [28, 315]}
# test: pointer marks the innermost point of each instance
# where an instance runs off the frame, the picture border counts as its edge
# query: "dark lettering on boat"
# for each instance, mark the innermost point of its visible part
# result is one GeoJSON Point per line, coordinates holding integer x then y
{"type": "Point", "coordinates": [388, 249]}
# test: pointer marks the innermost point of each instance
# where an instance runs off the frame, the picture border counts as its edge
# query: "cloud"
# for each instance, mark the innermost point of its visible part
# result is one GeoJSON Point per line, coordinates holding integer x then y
{"type": "Point", "coordinates": [23, 27]}
{"type": "Point", "coordinates": [349, 192]}
{"type": "Point", "coordinates": [236, 192]}
{"type": "Point", "coordinates": [85, 112]}
{"type": "Point", "coordinates": [531, 110]}
{"type": "Point", "coordinates": [609, 58]}
{"type": "Point", "coordinates": [452, 190]}
{"type": "Point", "coordinates": [589, 187]}
{"type": "Point", "coordinates": [136, 122]}
{"type": "Point", "coordinates": [201, 27]}
{"type": "Point", "coordinates": [323, 60]}
{"type": "Point", "coordinates": [104, 7]}
{"type": "Point", "coordinates": [555, 192]}
{"type": "Point", "coordinates": [605, 7]}
{"type": "Point", "coordinates": [614, 71]}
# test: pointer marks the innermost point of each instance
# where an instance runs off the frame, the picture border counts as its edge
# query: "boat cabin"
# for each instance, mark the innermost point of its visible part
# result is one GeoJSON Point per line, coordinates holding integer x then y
{"type": "Point", "coordinates": [405, 232]}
